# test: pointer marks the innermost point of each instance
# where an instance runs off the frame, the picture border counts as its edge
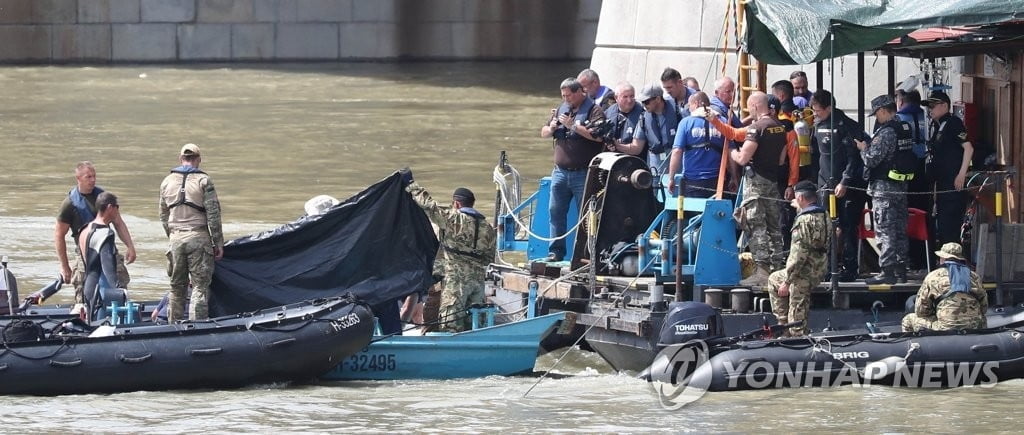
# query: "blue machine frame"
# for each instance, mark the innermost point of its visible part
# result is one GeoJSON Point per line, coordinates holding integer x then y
{"type": "Point", "coordinates": [536, 207]}
{"type": "Point", "coordinates": [710, 242]}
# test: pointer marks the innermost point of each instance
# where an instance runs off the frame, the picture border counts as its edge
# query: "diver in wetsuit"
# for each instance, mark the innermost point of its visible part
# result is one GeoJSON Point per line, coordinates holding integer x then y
{"type": "Point", "coordinates": [100, 254]}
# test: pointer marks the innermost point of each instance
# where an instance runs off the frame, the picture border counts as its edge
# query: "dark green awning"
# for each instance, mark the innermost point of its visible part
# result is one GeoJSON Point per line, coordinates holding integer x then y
{"type": "Point", "coordinates": [789, 32]}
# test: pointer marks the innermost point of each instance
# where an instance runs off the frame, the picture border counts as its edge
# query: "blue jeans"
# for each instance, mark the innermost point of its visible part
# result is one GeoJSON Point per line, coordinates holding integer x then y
{"type": "Point", "coordinates": [565, 185]}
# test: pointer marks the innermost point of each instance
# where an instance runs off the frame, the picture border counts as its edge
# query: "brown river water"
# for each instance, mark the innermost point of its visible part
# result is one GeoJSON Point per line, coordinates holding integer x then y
{"type": "Point", "coordinates": [275, 135]}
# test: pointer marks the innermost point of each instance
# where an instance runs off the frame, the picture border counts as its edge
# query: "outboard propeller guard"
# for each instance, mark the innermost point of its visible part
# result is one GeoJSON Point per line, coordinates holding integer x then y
{"type": "Point", "coordinates": [690, 321]}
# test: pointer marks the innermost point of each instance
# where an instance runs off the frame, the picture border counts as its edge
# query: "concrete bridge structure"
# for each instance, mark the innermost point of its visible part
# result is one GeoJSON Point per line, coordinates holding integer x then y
{"type": "Point", "coordinates": [637, 39]}
{"type": "Point", "coordinates": [105, 31]}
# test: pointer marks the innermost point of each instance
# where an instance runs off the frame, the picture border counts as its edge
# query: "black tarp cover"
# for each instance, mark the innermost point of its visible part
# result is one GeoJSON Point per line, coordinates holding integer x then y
{"type": "Point", "coordinates": [378, 245]}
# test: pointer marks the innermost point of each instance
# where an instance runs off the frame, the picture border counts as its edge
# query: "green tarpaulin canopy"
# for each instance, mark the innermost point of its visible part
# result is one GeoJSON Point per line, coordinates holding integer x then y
{"type": "Point", "coordinates": [791, 32]}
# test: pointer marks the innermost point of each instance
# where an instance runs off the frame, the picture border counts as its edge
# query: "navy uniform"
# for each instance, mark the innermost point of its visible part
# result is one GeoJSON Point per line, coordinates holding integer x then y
{"type": "Point", "coordinates": [889, 163]}
{"type": "Point", "coordinates": [946, 146]}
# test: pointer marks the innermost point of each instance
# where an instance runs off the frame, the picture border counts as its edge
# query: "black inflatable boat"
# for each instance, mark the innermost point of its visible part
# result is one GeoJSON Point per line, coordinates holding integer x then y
{"type": "Point", "coordinates": [48, 355]}
{"type": "Point", "coordinates": [933, 359]}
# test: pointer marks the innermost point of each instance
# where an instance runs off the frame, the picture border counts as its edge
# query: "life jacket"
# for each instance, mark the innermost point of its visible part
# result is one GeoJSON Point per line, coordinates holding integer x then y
{"type": "Point", "coordinates": [916, 118]}
{"type": "Point", "coordinates": [582, 116]}
{"type": "Point", "coordinates": [81, 205]}
{"type": "Point", "coordinates": [605, 97]}
{"type": "Point", "coordinates": [624, 122]}
{"type": "Point", "coordinates": [959, 280]}
{"type": "Point", "coordinates": [655, 143]}
{"type": "Point", "coordinates": [771, 142]}
{"type": "Point", "coordinates": [706, 143]}
{"type": "Point", "coordinates": [903, 163]}
{"type": "Point", "coordinates": [184, 198]}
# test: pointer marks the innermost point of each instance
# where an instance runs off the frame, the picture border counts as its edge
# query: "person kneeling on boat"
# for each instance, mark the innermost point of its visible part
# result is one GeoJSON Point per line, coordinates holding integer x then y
{"type": "Point", "coordinates": [951, 296]}
{"type": "Point", "coordinates": [790, 288]}
{"type": "Point", "coordinates": [100, 254]}
{"type": "Point", "coordinates": [467, 247]}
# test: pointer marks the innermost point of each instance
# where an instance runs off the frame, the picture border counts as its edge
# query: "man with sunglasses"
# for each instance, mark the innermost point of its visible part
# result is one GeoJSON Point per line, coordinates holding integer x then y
{"type": "Point", "coordinates": [100, 256]}
{"type": "Point", "coordinates": [656, 131]}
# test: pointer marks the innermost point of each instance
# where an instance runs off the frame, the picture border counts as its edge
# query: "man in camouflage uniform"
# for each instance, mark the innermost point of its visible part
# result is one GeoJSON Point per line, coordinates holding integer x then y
{"type": "Point", "coordinates": [758, 215]}
{"type": "Point", "coordinates": [467, 247]}
{"type": "Point", "coordinates": [790, 288]}
{"type": "Point", "coordinates": [77, 210]}
{"type": "Point", "coordinates": [190, 213]}
{"type": "Point", "coordinates": [951, 296]}
{"type": "Point", "coordinates": [888, 195]}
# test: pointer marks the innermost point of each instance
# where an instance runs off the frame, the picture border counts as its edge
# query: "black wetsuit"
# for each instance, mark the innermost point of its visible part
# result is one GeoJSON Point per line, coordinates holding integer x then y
{"type": "Point", "coordinates": [100, 267]}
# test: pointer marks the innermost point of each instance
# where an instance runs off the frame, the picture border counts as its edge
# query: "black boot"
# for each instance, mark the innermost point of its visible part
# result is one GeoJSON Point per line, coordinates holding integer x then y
{"type": "Point", "coordinates": [901, 273]}
{"type": "Point", "coordinates": [888, 276]}
{"type": "Point", "coordinates": [848, 275]}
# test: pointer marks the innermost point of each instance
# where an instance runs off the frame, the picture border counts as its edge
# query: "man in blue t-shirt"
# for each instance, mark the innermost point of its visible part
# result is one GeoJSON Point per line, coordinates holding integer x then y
{"type": "Point", "coordinates": [697, 151]}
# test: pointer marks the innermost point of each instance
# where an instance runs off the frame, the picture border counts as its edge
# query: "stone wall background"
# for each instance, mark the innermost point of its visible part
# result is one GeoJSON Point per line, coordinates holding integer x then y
{"type": "Point", "coordinates": [101, 31]}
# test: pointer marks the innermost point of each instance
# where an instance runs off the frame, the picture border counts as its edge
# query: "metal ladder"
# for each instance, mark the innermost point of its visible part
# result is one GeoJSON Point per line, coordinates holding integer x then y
{"type": "Point", "coordinates": [753, 75]}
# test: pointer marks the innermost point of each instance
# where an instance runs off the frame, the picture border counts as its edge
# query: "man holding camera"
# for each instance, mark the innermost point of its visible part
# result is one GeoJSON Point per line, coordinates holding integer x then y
{"type": "Point", "coordinates": [574, 147]}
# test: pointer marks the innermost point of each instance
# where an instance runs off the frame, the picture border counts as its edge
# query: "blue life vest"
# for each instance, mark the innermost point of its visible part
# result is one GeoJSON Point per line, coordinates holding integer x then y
{"type": "Point", "coordinates": [916, 119]}
{"type": "Point", "coordinates": [655, 143]}
{"type": "Point", "coordinates": [472, 212]}
{"type": "Point", "coordinates": [959, 277]}
{"type": "Point", "coordinates": [582, 115]}
{"type": "Point", "coordinates": [624, 126]}
{"type": "Point", "coordinates": [81, 205]}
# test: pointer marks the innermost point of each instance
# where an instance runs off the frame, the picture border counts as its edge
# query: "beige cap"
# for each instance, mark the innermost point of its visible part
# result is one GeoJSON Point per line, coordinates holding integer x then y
{"type": "Point", "coordinates": [190, 149]}
{"type": "Point", "coordinates": [951, 250]}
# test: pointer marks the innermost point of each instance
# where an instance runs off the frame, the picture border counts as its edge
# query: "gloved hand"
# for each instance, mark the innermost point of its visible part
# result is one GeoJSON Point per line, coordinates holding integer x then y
{"type": "Point", "coordinates": [406, 174]}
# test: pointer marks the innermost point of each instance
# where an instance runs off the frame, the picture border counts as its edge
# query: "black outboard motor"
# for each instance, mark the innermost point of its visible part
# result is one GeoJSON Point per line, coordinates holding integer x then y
{"type": "Point", "coordinates": [690, 321]}
{"type": "Point", "coordinates": [8, 289]}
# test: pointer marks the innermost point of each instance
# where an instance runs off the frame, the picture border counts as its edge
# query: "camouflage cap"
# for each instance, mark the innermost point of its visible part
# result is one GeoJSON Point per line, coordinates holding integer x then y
{"type": "Point", "coordinates": [882, 101]}
{"type": "Point", "coordinates": [951, 250]}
